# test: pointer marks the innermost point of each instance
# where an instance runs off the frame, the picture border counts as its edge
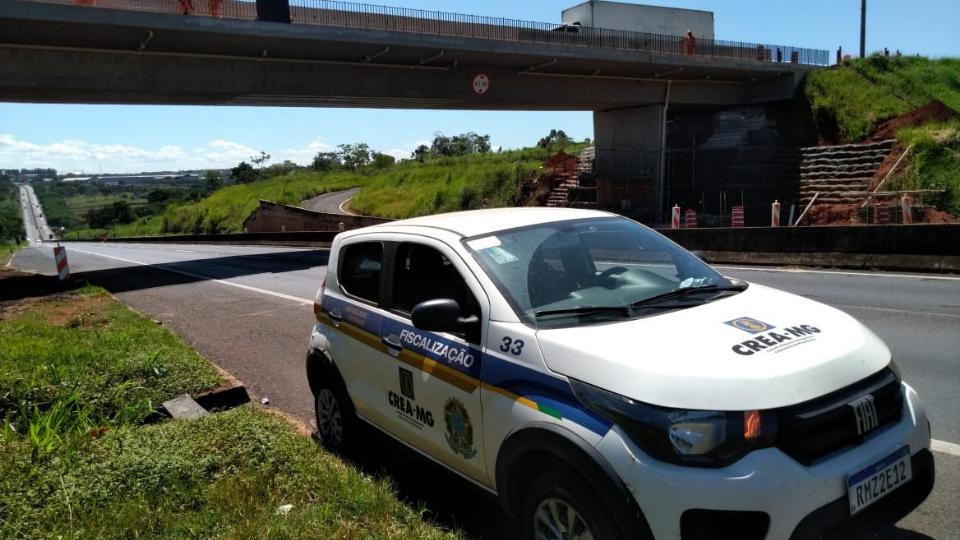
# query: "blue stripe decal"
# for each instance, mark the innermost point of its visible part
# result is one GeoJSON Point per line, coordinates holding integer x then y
{"type": "Point", "coordinates": [547, 391]}
{"type": "Point", "coordinates": [452, 354]}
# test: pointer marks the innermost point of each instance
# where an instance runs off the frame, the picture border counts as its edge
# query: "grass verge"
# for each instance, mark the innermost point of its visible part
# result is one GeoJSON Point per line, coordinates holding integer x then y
{"type": "Point", "coordinates": [934, 163]}
{"type": "Point", "coordinates": [79, 376]}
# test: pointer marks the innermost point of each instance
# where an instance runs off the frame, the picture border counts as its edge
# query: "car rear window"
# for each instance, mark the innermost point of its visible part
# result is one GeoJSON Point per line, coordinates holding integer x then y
{"type": "Point", "coordinates": [360, 268]}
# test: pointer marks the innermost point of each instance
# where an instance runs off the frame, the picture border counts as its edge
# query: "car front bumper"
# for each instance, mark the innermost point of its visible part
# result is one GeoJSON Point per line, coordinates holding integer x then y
{"type": "Point", "coordinates": [799, 501]}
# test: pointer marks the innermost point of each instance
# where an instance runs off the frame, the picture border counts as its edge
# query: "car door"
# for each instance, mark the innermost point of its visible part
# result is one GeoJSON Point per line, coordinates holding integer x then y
{"type": "Point", "coordinates": [433, 387]}
{"type": "Point", "coordinates": [351, 307]}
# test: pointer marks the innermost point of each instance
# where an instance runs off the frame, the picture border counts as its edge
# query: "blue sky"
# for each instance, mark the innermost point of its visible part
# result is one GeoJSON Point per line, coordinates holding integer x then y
{"type": "Point", "coordinates": [135, 138]}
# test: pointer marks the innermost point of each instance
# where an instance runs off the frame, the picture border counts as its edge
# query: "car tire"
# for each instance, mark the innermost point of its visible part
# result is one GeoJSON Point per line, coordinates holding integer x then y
{"type": "Point", "coordinates": [337, 423]}
{"type": "Point", "coordinates": [561, 505]}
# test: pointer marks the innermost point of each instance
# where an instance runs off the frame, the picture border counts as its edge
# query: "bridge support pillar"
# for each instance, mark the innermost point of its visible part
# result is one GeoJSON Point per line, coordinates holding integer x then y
{"type": "Point", "coordinates": [628, 160]}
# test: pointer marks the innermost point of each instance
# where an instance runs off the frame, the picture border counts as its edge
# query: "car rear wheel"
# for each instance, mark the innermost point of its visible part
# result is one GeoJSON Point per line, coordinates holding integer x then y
{"type": "Point", "coordinates": [560, 505]}
{"type": "Point", "coordinates": [336, 419]}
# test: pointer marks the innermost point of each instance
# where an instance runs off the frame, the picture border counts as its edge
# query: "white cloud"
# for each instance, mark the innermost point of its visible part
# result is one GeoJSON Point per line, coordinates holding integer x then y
{"type": "Point", "coordinates": [73, 155]}
{"type": "Point", "coordinates": [304, 155]}
{"type": "Point", "coordinates": [77, 155]}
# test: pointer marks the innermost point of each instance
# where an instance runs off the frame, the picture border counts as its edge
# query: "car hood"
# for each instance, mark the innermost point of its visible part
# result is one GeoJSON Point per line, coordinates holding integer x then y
{"type": "Point", "coordinates": [760, 349]}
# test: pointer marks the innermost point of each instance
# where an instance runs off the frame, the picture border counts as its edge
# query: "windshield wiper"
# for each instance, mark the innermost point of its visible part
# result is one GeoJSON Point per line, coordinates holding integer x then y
{"type": "Point", "coordinates": [687, 291]}
{"type": "Point", "coordinates": [586, 310]}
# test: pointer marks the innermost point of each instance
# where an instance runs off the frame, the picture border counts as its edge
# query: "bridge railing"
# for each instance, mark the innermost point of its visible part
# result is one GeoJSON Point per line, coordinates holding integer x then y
{"type": "Point", "coordinates": [398, 19]}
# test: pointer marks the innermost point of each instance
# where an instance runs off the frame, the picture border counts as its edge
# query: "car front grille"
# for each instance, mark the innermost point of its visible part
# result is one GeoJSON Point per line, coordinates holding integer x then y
{"type": "Point", "coordinates": [811, 430]}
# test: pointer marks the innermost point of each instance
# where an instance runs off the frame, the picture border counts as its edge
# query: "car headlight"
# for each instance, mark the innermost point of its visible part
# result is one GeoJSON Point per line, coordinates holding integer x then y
{"type": "Point", "coordinates": [684, 437]}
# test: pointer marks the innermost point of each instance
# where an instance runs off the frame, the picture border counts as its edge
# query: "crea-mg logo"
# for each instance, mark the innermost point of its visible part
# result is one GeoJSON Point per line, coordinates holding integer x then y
{"type": "Point", "coordinates": [750, 325]}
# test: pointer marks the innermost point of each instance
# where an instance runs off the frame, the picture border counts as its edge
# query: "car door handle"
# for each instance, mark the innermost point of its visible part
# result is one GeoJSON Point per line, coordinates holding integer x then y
{"type": "Point", "coordinates": [392, 341]}
{"type": "Point", "coordinates": [335, 315]}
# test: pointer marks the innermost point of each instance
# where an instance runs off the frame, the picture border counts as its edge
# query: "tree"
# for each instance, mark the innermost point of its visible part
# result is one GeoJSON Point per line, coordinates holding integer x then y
{"type": "Point", "coordinates": [354, 156]}
{"type": "Point", "coordinates": [421, 153]}
{"type": "Point", "coordinates": [260, 160]}
{"type": "Point", "coordinates": [383, 161]}
{"type": "Point", "coordinates": [279, 169]}
{"type": "Point", "coordinates": [458, 145]}
{"type": "Point", "coordinates": [555, 140]}
{"type": "Point", "coordinates": [212, 181]}
{"type": "Point", "coordinates": [243, 173]}
{"type": "Point", "coordinates": [326, 161]}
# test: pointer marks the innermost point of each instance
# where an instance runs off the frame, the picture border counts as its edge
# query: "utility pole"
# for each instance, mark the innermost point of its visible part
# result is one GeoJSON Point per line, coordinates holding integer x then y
{"type": "Point", "coordinates": [863, 28]}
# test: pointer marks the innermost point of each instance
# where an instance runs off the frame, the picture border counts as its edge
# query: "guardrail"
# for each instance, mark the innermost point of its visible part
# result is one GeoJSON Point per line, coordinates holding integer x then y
{"type": "Point", "coordinates": [387, 18]}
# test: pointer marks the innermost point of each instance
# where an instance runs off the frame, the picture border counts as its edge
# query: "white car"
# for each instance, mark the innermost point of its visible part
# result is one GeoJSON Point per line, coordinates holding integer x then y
{"type": "Point", "coordinates": [605, 383]}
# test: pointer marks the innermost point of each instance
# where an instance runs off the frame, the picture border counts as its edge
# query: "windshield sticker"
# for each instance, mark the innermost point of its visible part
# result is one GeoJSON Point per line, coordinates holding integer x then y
{"type": "Point", "coordinates": [747, 324]}
{"type": "Point", "coordinates": [459, 428]}
{"type": "Point", "coordinates": [483, 243]}
{"type": "Point", "coordinates": [776, 342]}
{"type": "Point", "coordinates": [500, 255]}
{"type": "Point", "coordinates": [694, 282]}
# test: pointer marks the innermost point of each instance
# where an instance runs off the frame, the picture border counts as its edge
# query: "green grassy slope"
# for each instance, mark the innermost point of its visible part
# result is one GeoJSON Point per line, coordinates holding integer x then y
{"type": "Point", "coordinates": [450, 184]}
{"type": "Point", "coordinates": [81, 457]}
{"type": "Point", "coordinates": [225, 209]}
{"type": "Point", "coordinates": [407, 189]}
{"type": "Point", "coordinates": [862, 93]}
{"type": "Point", "coordinates": [11, 219]}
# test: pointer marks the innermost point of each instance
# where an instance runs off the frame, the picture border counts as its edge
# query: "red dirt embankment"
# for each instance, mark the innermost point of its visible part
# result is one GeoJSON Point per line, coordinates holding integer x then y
{"type": "Point", "coordinates": [935, 111]}
{"type": "Point", "coordinates": [848, 214]}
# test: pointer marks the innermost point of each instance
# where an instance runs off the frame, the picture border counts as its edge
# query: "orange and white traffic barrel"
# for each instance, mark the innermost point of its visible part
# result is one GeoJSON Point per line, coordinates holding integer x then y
{"type": "Point", "coordinates": [775, 214]}
{"type": "Point", "coordinates": [63, 269]}
{"type": "Point", "coordinates": [905, 206]}
{"type": "Point", "coordinates": [737, 217]}
{"type": "Point", "coordinates": [690, 219]}
{"type": "Point", "coordinates": [675, 218]}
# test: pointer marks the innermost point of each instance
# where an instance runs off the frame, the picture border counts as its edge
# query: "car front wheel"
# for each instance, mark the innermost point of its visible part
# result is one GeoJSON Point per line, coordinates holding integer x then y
{"type": "Point", "coordinates": [560, 505]}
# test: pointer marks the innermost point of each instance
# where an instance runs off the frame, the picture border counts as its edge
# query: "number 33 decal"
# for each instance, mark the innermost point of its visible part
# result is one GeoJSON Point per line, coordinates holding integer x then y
{"type": "Point", "coordinates": [512, 346]}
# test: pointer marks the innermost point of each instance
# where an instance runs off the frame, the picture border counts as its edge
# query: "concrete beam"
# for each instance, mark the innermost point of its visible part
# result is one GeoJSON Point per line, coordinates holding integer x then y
{"type": "Point", "coordinates": [65, 75]}
{"type": "Point", "coordinates": [62, 53]}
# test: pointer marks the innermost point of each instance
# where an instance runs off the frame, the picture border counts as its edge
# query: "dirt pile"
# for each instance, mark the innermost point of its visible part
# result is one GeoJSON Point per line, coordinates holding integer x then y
{"type": "Point", "coordinates": [935, 111]}
{"type": "Point", "coordinates": [833, 214]}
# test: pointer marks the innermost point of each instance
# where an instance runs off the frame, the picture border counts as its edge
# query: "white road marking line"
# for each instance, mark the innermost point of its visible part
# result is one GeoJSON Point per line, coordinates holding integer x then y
{"type": "Point", "coordinates": [185, 251]}
{"type": "Point", "coordinates": [347, 212]}
{"type": "Point", "coordinates": [929, 313]}
{"type": "Point", "coordinates": [297, 299]}
{"type": "Point", "coordinates": [839, 272]}
{"type": "Point", "coordinates": [945, 447]}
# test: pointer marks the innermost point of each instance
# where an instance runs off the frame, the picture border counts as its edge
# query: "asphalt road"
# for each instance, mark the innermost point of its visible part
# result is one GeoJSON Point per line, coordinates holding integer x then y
{"type": "Point", "coordinates": [334, 202]}
{"type": "Point", "coordinates": [249, 310]}
{"type": "Point", "coordinates": [34, 223]}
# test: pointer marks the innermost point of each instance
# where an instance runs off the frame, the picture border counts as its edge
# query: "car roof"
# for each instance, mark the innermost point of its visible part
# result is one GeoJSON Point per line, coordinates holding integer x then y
{"type": "Point", "coordinates": [477, 222]}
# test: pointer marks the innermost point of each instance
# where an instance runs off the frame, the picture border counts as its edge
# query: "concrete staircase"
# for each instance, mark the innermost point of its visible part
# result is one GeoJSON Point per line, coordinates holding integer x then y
{"type": "Point", "coordinates": [841, 174]}
{"type": "Point", "coordinates": [570, 183]}
{"type": "Point", "coordinates": [560, 194]}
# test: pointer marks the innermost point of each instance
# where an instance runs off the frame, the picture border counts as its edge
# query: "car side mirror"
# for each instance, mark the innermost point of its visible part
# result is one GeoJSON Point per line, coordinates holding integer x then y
{"type": "Point", "coordinates": [442, 315]}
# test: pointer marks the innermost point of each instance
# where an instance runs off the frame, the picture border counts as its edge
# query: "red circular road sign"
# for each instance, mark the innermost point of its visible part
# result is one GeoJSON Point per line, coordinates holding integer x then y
{"type": "Point", "coordinates": [481, 84]}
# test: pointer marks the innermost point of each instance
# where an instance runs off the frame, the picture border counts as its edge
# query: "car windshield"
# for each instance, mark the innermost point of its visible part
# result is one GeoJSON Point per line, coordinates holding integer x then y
{"type": "Point", "coordinates": [590, 270]}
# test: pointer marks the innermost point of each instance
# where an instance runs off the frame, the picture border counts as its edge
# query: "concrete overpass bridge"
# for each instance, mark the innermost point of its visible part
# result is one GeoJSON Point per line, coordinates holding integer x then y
{"type": "Point", "coordinates": [334, 54]}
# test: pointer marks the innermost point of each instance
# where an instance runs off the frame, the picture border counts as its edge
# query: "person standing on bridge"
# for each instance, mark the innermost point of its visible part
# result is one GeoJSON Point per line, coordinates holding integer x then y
{"type": "Point", "coordinates": [215, 8]}
{"type": "Point", "coordinates": [185, 6]}
{"type": "Point", "coordinates": [690, 44]}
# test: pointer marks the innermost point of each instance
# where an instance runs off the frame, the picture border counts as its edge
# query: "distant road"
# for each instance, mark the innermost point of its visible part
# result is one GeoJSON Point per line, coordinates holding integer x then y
{"type": "Point", "coordinates": [334, 202]}
{"type": "Point", "coordinates": [249, 310]}
{"type": "Point", "coordinates": [34, 222]}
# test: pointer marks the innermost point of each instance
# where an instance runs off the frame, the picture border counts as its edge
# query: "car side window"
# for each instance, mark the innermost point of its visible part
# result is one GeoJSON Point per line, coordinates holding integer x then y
{"type": "Point", "coordinates": [360, 269]}
{"type": "Point", "coordinates": [423, 273]}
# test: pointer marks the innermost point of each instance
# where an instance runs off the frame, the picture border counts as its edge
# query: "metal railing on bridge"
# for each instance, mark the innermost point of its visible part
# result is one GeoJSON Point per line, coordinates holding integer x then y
{"type": "Point", "coordinates": [397, 19]}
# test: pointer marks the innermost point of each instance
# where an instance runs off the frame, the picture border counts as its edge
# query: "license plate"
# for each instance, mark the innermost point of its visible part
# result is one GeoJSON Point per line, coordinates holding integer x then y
{"type": "Point", "coordinates": [878, 480]}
